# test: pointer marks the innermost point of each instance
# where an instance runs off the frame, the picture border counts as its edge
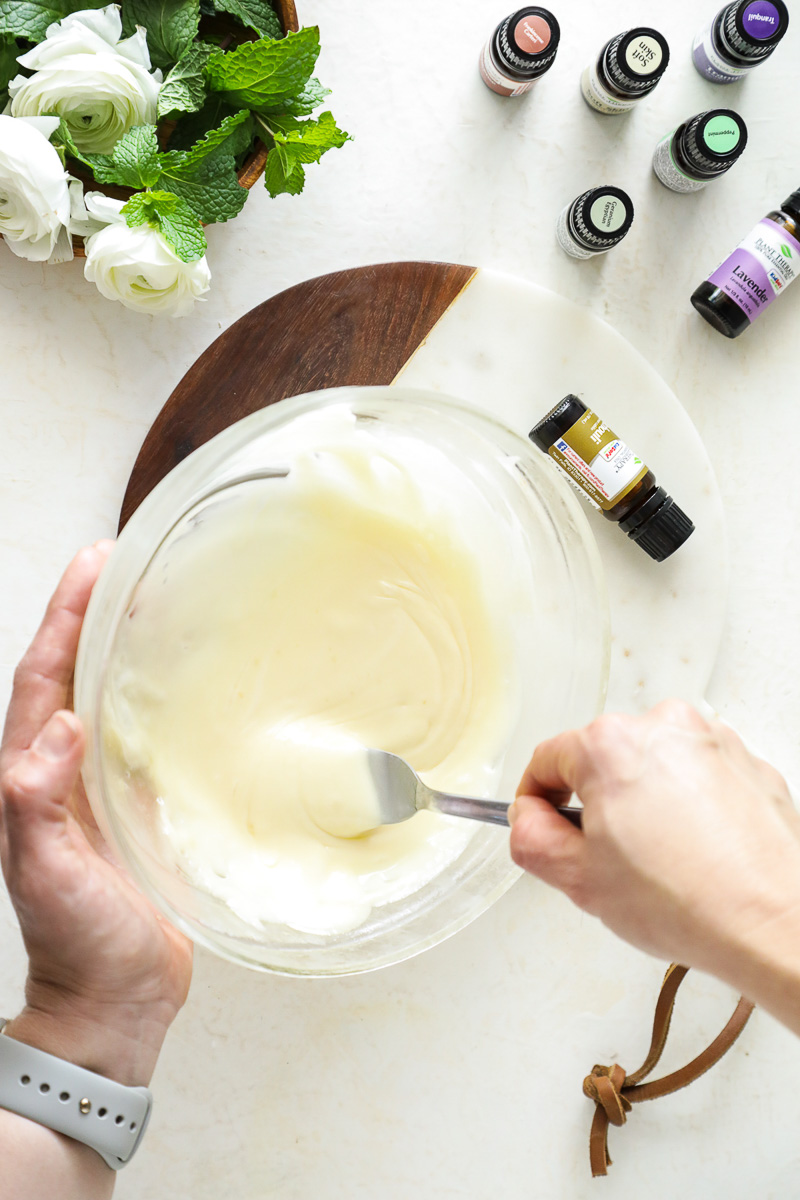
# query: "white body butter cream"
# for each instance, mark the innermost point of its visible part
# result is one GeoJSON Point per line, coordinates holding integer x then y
{"type": "Point", "coordinates": [287, 622]}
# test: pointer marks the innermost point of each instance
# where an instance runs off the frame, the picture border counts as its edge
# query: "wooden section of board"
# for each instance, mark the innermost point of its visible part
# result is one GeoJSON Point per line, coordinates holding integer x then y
{"type": "Point", "coordinates": [353, 327]}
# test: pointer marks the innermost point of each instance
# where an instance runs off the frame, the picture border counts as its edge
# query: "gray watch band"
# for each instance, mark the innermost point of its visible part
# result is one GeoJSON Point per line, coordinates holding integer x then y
{"type": "Point", "coordinates": [99, 1112]}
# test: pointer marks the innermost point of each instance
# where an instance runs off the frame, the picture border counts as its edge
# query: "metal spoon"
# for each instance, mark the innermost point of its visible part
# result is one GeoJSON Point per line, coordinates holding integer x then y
{"type": "Point", "coordinates": [401, 793]}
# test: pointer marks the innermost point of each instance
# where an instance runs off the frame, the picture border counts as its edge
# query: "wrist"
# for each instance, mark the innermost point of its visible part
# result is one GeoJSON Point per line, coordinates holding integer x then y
{"type": "Point", "coordinates": [761, 958]}
{"type": "Point", "coordinates": [121, 1041]}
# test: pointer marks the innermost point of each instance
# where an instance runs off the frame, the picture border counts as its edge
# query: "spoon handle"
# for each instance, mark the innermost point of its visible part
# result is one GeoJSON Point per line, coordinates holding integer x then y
{"type": "Point", "coordinates": [493, 812]}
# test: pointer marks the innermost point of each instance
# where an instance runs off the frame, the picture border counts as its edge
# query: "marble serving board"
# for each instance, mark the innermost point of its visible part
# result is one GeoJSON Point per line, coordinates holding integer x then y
{"type": "Point", "coordinates": [513, 349]}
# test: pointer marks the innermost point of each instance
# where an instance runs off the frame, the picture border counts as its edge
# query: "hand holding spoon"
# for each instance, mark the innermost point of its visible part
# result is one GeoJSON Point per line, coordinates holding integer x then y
{"type": "Point", "coordinates": [400, 793]}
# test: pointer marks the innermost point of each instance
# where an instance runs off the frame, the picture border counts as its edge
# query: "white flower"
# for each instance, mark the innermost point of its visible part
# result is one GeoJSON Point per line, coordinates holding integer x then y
{"type": "Point", "coordinates": [101, 86]}
{"type": "Point", "coordinates": [138, 266]}
{"type": "Point", "coordinates": [35, 203]}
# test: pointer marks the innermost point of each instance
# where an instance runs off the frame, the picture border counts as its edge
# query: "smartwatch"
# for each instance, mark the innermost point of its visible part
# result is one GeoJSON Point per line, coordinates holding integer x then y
{"type": "Point", "coordinates": [101, 1113]}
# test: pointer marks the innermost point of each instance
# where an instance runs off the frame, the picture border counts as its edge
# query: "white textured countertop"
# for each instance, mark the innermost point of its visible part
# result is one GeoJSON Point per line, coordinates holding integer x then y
{"type": "Point", "coordinates": [457, 1074]}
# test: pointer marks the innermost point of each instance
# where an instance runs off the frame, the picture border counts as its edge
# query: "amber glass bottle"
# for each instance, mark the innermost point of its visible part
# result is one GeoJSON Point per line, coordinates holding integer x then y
{"type": "Point", "coordinates": [612, 477]}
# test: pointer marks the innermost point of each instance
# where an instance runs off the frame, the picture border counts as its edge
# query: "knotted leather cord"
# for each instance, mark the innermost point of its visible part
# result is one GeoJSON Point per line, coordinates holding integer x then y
{"type": "Point", "coordinates": [614, 1092]}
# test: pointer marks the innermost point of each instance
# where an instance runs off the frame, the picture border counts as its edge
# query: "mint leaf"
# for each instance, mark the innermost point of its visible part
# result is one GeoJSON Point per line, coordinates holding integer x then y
{"type": "Point", "coordinates": [282, 178]}
{"type": "Point", "coordinates": [172, 217]}
{"type": "Point", "coordinates": [295, 144]}
{"type": "Point", "coordinates": [210, 188]}
{"type": "Point", "coordinates": [171, 26]}
{"type": "Point", "coordinates": [133, 163]}
{"type": "Point", "coordinates": [29, 18]}
{"type": "Point", "coordinates": [256, 14]}
{"type": "Point", "coordinates": [205, 174]}
{"type": "Point", "coordinates": [231, 136]}
{"type": "Point", "coordinates": [306, 141]}
{"type": "Point", "coordinates": [264, 73]}
{"type": "Point", "coordinates": [136, 156]}
{"type": "Point", "coordinates": [8, 65]}
{"type": "Point", "coordinates": [184, 89]}
{"type": "Point", "coordinates": [301, 105]}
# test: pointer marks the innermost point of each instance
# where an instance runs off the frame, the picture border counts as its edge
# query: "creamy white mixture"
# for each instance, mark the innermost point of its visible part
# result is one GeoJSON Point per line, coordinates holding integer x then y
{"type": "Point", "coordinates": [284, 625]}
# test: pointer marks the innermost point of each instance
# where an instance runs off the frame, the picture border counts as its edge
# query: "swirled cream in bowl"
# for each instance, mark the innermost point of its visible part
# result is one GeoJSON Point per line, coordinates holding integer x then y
{"type": "Point", "coordinates": [357, 567]}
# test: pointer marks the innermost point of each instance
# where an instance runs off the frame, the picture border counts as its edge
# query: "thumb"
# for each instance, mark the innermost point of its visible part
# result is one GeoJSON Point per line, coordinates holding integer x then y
{"type": "Point", "coordinates": [547, 844]}
{"type": "Point", "coordinates": [36, 789]}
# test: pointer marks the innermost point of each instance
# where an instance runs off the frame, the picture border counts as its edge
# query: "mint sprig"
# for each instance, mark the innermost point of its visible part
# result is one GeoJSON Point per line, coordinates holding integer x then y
{"type": "Point", "coordinates": [203, 177]}
{"type": "Point", "coordinates": [218, 102]}
{"type": "Point", "coordinates": [295, 144]}
{"type": "Point", "coordinates": [174, 219]}
{"type": "Point", "coordinates": [29, 19]}
{"type": "Point", "coordinates": [264, 73]}
{"type": "Point", "coordinates": [171, 26]}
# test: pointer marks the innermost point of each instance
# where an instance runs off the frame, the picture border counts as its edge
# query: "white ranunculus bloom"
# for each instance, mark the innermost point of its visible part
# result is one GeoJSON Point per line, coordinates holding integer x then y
{"type": "Point", "coordinates": [138, 267]}
{"type": "Point", "coordinates": [101, 86]}
{"type": "Point", "coordinates": [35, 202]}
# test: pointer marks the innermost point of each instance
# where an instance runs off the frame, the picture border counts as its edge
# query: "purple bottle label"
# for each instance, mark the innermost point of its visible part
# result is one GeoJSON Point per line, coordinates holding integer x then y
{"type": "Point", "coordinates": [759, 269]}
{"type": "Point", "coordinates": [710, 63]}
{"type": "Point", "coordinates": [761, 20]}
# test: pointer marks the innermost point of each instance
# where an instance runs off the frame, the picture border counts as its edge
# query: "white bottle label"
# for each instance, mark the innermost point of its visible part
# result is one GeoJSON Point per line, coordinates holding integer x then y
{"type": "Point", "coordinates": [595, 458]}
{"type": "Point", "coordinates": [710, 64]}
{"type": "Point", "coordinates": [668, 170]}
{"type": "Point", "coordinates": [598, 97]}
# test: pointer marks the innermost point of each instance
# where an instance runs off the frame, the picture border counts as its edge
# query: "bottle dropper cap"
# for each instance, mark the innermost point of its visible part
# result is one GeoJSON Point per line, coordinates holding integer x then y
{"type": "Point", "coordinates": [793, 202]}
{"type": "Point", "coordinates": [637, 59]}
{"type": "Point", "coordinates": [528, 40]}
{"type": "Point", "coordinates": [753, 28]}
{"type": "Point", "coordinates": [713, 141]}
{"type": "Point", "coordinates": [659, 526]}
{"type": "Point", "coordinates": [602, 216]}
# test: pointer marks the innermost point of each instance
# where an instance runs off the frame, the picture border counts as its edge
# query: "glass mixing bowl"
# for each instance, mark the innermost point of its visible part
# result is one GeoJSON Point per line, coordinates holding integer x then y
{"type": "Point", "coordinates": [561, 646]}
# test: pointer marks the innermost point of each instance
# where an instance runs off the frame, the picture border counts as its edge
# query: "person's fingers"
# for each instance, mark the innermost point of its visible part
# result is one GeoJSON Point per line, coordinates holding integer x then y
{"type": "Point", "coordinates": [43, 678]}
{"type": "Point", "coordinates": [551, 771]}
{"type": "Point", "coordinates": [564, 763]}
{"type": "Point", "coordinates": [35, 789]}
{"type": "Point", "coordinates": [679, 713]}
{"type": "Point", "coordinates": [547, 845]}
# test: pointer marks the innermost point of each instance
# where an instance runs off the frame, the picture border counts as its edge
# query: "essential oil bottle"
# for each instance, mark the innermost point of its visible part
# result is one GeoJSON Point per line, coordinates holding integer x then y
{"type": "Point", "coordinates": [627, 69]}
{"type": "Point", "coordinates": [702, 148]}
{"type": "Point", "coordinates": [521, 49]}
{"type": "Point", "coordinates": [611, 477]}
{"type": "Point", "coordinates": [760, 269]}
{"type": "Point", "coordinates": [594, 222]}
{"type": "Point", "coordinates": [741, 36]}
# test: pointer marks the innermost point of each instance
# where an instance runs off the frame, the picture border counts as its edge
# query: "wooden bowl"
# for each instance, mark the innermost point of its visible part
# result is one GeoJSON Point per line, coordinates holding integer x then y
{"type": "Point", "coordinates": [253, 167]}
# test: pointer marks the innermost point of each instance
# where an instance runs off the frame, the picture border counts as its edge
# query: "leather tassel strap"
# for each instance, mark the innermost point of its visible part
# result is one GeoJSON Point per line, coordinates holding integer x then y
{"type": "Point", "coordinates": [614, 1092]}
